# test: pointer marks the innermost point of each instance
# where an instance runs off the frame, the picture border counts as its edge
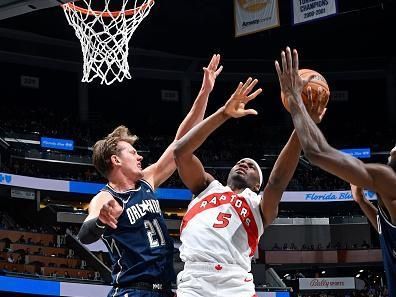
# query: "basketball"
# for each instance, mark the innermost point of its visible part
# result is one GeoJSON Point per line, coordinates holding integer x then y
{"type": "Point", "coordinates": [317, 81]}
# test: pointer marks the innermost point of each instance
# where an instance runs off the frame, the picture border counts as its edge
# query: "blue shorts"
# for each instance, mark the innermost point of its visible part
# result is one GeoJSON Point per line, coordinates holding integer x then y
{"type": "Point", "coordinates": [133, 292]}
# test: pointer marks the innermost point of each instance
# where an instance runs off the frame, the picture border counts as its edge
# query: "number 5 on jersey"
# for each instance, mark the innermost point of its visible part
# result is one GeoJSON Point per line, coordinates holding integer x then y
{"type": "Point", "coordinates": [223, 219]}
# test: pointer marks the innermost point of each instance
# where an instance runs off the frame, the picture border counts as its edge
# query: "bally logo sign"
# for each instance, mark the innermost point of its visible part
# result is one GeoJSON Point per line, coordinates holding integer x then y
{"type": "Point", "coordinates": [327, 283]}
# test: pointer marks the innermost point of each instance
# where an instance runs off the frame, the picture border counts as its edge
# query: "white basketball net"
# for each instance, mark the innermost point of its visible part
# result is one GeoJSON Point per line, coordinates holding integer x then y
{"type": "Point", "coordinates": [105, 39]}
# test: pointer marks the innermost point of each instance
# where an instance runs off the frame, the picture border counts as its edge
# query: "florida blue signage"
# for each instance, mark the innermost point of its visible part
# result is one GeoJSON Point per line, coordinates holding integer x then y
{"type": "Point", "coordinates": [57, 143]}
{"type": "Point", "coordinates": [361, 153]}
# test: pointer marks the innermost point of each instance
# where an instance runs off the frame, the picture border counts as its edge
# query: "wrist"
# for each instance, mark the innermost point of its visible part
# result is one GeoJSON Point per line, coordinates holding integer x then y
{"type": "Point", "coordinates": [362, 200]}
{"type": "Point", "coordinates": [223, 113]}
{"type": "Point", "coordinates": [205, 90]}
{"type": "Point", "coordinates": [100, 224]}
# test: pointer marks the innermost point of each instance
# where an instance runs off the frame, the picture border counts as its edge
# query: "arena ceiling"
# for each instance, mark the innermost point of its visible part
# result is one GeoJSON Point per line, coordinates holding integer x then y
{"type": "Point", "coordinates": [197, 28]}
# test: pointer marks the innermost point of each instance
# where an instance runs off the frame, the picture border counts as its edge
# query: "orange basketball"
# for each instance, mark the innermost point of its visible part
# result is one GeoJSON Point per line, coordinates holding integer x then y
{"type": "Point", "coordinates": [315, 83]}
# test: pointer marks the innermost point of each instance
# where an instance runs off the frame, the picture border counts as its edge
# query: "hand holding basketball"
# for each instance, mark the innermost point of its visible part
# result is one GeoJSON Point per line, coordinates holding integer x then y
{"type": "Point", "coordinates": [290, 82]}
{"type": "Point", "coordinates": [295, 83]}
{"type": "Point", "coordinates": [235, 106]}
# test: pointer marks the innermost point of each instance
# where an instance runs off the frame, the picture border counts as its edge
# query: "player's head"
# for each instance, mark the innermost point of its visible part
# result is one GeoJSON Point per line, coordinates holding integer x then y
{"type": "Point", "coordinates": [245, 174]}
{"type": "Point", "coordinates": [392, 159]}
{"type": "Point", "coordinates": [116, 152]}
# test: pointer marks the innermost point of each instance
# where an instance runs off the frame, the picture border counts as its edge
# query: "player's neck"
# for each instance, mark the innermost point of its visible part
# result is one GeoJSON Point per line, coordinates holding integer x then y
{"type": "Point", "coordinates": [121, 183]}
{"type": "Point", "coordinates": [236, 189]}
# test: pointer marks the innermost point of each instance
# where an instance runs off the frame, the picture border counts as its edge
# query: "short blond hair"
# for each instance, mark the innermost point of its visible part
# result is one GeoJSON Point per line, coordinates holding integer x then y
{"type": "Point", "coordinates": [106, 147]}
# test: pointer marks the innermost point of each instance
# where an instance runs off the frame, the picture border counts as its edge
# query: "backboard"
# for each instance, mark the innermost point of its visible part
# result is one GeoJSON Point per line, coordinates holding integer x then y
{"type": "Point", "coordinates": [10, 8]}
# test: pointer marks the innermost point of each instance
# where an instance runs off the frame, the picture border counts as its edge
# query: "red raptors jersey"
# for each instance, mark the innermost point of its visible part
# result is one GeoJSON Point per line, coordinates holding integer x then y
{"type": "Point", "coordinates": [221, 226]}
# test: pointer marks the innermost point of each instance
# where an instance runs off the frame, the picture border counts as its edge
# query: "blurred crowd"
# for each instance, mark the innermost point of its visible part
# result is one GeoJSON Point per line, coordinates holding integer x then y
{"type": "Point", "coordinates": [218, 154]}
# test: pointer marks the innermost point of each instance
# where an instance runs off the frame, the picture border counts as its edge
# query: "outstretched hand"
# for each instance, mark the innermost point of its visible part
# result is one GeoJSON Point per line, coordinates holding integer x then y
{"type": "Point", "coordinates": [235, 106]}
{"type": "Point", "coordinates": [211, 72]}
{"type": "Point", "coordinates": [290, 81]}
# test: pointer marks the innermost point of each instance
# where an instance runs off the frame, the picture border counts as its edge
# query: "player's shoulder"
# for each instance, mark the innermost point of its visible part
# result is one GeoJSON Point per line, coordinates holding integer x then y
{"type": "Point", "coordinates": [145, 184]}
{"type": "Point", "coordinates": [381, 170]}
{"type": "Point", "coordinates": [97, 203]}
{"type": "Point", "coordinates": [101, 198]}
{"type": "Point", "coordinates": [213, 186]}
{"type": "Point", "coordinates": [378, 166]}
{"type": "Point", "coordinates": [251, 196]}
{"type": "Point", "coordinates": [384, 177]}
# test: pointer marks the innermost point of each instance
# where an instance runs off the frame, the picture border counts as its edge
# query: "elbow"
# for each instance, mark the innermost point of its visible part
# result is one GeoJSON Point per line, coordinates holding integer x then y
{"type": "Point", "coordinates": [177, 150]}
{"type": "Point", "coordinates": [269, 216]}
{"type": "Point", "coordinates": [313, 155]}
{"type": "Point", "coordinates": [275, 182]}
{"type": "Point", "coordinates": [84, 240]}
{"type": "Point", "coordinates": [86, 237]}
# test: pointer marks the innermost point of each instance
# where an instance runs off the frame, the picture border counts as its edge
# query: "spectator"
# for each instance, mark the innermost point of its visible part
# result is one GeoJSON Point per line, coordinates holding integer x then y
{"type": "Point", "coordinates": [39, 252]}
{"type": "Point", "coordinates": [365, 245]}
{"type": "Point", "coordinates": [21, 239]}
{"type": "Point", "coordinates": [276, 247]}
{"type": "Point", "coordinates": [10, 259]}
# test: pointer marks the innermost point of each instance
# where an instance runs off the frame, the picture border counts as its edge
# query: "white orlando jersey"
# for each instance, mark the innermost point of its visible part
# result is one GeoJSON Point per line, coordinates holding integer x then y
{"type": "Point", "coordinates": [222, 226]}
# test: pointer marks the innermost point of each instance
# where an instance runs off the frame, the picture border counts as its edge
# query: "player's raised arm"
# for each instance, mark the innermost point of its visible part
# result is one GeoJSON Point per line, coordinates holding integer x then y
{"type": "Point", "coordinates": [286, 163]}
{"type": "Point", "coordinates": [314, 144]}
{"type": "Point", "coordinates": [189, 166]}
{"type": "Point", "coordinates": [160, 171]}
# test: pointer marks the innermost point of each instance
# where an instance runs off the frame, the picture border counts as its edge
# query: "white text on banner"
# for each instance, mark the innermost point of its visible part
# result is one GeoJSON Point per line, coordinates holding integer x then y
{"type": "Point", "coordinates": [255, 15]}
{"type": "Point", "coordinates": [308, 10]}
{"type": "Point", "coordinates": [327, 283]}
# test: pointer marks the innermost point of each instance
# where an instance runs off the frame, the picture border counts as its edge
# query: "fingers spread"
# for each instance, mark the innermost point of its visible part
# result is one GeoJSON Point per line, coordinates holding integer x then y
{"type": "Point", "coordinates": [254, 94]}
{"type": "Point", "coordinates": [295, 60]}
{"type": "Point", "coordinates": [289, 59]}
{"type": "Point", "coordinates": [250, 111]}
{"type": "Point", "coordinates": [284, 64]}
{"type": "Point", "coordinates": [246, 85]}
{"type": "Point", "coordinates": [250, 87]}
{"type": "Point", "coordinates": [278, 70]}
{"type": "Point", "coordinates": [239, 88]}
{"type": "Point", "coordinates": [218, 71]}
{"type": "Point", "coordinates": [212, 62]}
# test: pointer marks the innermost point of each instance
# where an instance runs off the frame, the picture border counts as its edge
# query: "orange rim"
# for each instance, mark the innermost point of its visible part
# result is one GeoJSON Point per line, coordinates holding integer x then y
{"type": "Point", "coordinates": [109, 14]}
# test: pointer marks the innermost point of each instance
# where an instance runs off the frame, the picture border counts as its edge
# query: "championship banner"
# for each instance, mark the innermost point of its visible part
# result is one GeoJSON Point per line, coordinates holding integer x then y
{"type": "Point", "coordinates": [308, 10]}
{"type": "Point", "coordinates": [255, 15]}
{"type": "Point", "coordinates": [327, 283]}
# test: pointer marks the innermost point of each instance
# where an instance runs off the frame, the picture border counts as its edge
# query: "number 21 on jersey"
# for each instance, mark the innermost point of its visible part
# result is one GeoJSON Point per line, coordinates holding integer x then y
{"type": "Point", "coordinates": [154, 233]}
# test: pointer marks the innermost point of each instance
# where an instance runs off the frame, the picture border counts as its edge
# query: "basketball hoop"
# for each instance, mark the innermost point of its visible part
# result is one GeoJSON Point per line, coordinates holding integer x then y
{"type": "Point", "coordinates": [104, 35]}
